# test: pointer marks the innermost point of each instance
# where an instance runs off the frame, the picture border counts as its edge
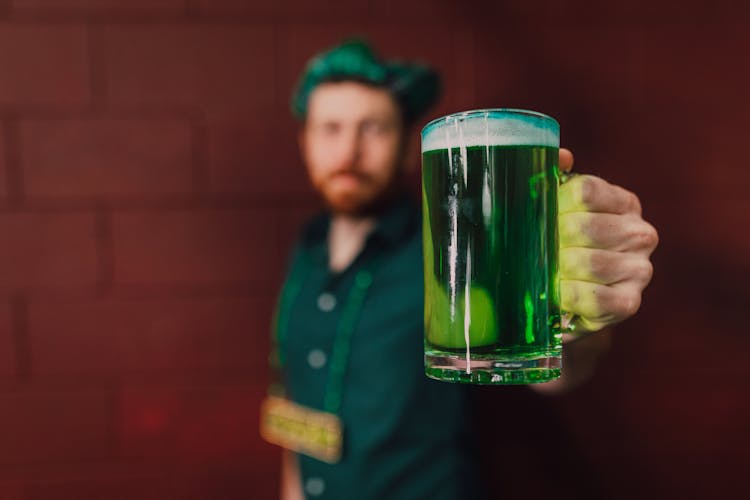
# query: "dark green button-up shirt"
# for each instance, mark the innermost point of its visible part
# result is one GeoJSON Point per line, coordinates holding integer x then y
{"type": "Point", "coordinates": [405, 436]}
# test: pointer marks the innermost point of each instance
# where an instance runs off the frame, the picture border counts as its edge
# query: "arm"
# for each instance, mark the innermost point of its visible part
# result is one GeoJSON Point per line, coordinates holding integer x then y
{"type": "Point", "coordinates": [605, 247]}
{"type": "Point", "coordinates": [291, 484]}
{"type": "Point", "coordinates": [580, 358]}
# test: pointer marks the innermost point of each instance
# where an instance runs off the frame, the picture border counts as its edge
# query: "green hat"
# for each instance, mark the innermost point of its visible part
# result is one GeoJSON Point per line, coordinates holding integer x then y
{"type": "Point", "coordinates": [415, 86]}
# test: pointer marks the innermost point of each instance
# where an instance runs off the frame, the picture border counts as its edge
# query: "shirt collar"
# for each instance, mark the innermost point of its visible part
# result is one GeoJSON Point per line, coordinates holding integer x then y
{"type": "Point", "coordinates": [394, 224]}
{"type": "Point", "coordinates": [397, 222]}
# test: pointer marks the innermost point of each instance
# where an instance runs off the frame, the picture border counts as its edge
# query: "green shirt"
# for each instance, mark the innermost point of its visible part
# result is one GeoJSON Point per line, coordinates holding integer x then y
{"type": "Point", "coordinates": [405, 436]}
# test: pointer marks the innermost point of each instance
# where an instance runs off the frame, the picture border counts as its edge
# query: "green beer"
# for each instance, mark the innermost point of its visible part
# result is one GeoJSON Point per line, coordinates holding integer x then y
{"type": "Point", "coordinates": [492, 307]}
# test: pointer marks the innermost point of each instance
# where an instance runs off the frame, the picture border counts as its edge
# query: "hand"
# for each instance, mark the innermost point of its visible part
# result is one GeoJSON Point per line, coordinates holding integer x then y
{"type": "Point", "coordinates": [604, 250]}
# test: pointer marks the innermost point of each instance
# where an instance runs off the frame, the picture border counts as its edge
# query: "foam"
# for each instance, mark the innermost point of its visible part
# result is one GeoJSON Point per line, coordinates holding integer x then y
{"type": "Point", "coordinates": [499, 127]}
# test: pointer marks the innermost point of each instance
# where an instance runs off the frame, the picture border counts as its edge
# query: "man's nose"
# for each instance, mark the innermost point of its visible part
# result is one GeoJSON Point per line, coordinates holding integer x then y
{"type": "Point", "coordinates": [350, 149]}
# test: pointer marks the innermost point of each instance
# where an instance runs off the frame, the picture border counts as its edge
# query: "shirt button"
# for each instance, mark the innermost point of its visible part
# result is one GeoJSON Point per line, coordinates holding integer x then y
{"type": "Point", "coordinates": [326, 302]}
{"type": "Point", "coordinates": [316, 358]}
{"type": "Point", "coordinates": [315, 486]}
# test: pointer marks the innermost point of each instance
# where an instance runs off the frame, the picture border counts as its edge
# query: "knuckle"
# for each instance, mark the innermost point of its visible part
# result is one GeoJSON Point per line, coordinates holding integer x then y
{"type": "Point", "coordinates": [641, 235]}
{"type": "Point", "coordinates": [570, 295]}
{"type": "Point", "coordinates": [568, 259]}
{"type": "Point", "coordinates": [590, 189]}
{"type": "Point", "coordinates": [652, 237]}
{"type": "Point", "coordinates": [634, 203]}
{"type": "Point", "coordinates": [599, 264]}
{"type": "Point", "coordinates": [632, 303]}
{"type": "Point", "coordinates": [646, 271]}
{"type": "Point", "coordinates": [626, 303]}
{"type": "Point", "coordinates": [646, 237]}
{"type": "Point", "coordinates": [564, 223]}
{"type": "Point", "coordinates": [570, 225]}
{"type": "Point", "coordinates": [597, 227]}
{"type": "Point", "coordinates": [603, 296]}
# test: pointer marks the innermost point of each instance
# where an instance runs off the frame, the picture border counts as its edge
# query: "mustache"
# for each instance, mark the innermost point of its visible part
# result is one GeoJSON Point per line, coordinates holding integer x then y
{"type": "Point", "coordinates": [362, 176]}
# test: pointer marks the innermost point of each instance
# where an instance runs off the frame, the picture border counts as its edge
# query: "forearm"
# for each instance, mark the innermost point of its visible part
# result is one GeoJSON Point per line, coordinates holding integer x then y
{"type": "Point", "coordinates": [580, 357]}
{"type": "Point", "coordinates": [291, 484]}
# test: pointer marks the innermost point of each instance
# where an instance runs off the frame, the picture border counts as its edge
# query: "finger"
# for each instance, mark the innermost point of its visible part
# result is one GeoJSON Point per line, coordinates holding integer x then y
{"type": "Point", "coordinates": [586, 193]}
{"type": "Point", "coordinates": [598, 305]}
{"type": "Point", "coordinates": [604, 266]}
{"type": "Point", "coordinates": [619, 233]}
{"type": "Point", "coordinates": [584, 325]}
{"type": "Point", "coordinates": [566, 160]}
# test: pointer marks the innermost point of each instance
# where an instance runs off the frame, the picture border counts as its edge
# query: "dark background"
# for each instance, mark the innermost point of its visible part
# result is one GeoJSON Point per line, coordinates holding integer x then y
{"type": "Point", "coordinates": [150, 188]}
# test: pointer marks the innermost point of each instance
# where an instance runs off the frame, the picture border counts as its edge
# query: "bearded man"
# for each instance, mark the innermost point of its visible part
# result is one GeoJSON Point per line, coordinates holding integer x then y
{"type": "Point", "coordinates": [350, 321]}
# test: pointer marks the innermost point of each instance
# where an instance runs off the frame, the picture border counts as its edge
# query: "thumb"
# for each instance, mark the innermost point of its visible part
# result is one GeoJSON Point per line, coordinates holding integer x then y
{"type": "Point", "coordinates": [566, 160]}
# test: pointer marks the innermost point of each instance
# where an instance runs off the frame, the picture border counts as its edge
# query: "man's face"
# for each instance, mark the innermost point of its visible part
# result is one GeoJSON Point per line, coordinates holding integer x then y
{"type": "Point", "coordinates": [352, 145]}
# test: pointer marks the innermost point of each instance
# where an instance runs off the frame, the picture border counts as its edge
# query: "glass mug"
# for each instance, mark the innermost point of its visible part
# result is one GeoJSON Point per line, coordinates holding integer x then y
{"type": "Point", "coordinates": [492, 292]}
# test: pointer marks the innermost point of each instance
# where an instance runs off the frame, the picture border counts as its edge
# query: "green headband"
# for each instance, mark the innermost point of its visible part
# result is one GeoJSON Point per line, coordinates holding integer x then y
{"type": "Point", "coordinates": [414, 86]}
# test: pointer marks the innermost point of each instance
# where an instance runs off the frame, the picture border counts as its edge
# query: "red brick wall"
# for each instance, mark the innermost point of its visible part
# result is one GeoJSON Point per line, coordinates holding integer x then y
{"type": "Point", "coordinates": [150, 188]}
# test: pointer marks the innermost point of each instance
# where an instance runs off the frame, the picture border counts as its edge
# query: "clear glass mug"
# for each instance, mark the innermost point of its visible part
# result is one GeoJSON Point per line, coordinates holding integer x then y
{"type": "Point", "coordinates": [492, 300]}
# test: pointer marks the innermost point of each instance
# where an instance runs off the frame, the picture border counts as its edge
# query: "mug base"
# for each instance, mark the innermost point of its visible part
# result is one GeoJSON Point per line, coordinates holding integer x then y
{"type": "Point", "coordinates": [482, 371]}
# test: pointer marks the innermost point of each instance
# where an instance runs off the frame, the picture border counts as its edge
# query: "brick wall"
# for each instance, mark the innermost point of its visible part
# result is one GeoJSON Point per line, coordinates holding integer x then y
{"type": "Point", "coordinates": [150, 188]}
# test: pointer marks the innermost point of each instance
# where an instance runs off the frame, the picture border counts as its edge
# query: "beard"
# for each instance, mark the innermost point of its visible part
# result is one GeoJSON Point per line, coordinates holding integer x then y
{"type": "Point", "coordinates": [354, 193]}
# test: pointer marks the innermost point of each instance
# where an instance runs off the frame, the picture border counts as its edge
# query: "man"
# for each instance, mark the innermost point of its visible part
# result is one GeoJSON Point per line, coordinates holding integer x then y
{"type": "Point", "coordinates": [356, 275]}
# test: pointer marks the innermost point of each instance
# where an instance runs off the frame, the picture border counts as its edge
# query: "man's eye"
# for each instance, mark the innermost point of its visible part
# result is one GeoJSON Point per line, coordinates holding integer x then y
{"type": "Point", "coordinates": [329, 128]}
{"type": "Point", "coordinates": [373, 128]}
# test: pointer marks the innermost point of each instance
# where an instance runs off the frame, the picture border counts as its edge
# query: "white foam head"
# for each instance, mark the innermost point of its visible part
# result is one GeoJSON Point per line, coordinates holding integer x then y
{"type": "Point", "coordinates": [491, 127]}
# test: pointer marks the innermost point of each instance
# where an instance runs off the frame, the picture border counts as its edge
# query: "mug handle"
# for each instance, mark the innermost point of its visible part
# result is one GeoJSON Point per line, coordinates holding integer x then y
{"type": "Point", "coordinates": [567, 319]}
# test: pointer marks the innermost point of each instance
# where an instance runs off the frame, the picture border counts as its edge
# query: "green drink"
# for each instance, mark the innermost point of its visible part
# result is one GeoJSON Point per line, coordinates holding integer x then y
{"type": "Point", "coordinates": [492, 313]}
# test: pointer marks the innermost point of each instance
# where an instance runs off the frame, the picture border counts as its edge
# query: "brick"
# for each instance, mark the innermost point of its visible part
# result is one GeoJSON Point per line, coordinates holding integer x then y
{"type": "Point", "coordinates": [645, 11]}
{"type": "Point", "coordinates": [720, 151]}
{"type": "Point", "coordinates": [220, 69]}
{"type": "Point", "coordinates": [256, 155]}
{"type": "Point", "coordinates": [209, 247]}
{"type": "Point", "coordinates": [546, 69]}
{"type": "Point", "coordinates": [123, 487]}
{"type": "Point", "coordinates": [284, 9]}
{"type": "Point", "coordinates": [259, 481]}
{"type": "Point", "coordinates": [209, 424]}
{"type": "Point", "coordinates": [667, 414]}
{"type": "Point", "coordinates": [687, 316]}
{"type": "Point", "coordinates": [92, 6]}
{"type": "Point", "coordinates": [3, 166]}
{"type": "Point", "coordinates": [235, 7]}
{"type": "Point", "coordinates": [106, 157]}
{"type": "Point", "coordinates": [693, 475]}
{"type": "Point", "coordinates": [12, 490]}
{"type": "Point", "coordinates": [464, 73]}
{"type": "Point", "coordinates": [696, 295]}
{"type": "Point", "coordinates": [611, 142]}
{"type": "Point", "coordinates": [7, 346]}
{"type": "Point", "coordinates": [38, 426]}
{"type": "Point", "coordinates": [498, 80]}
{"type": "Point", "coordinates": [44, 65]}
{"type": "Point", "coordinates": [512, 11]}
{"type": "Point", "coordinates": [718, 244]}
{"type": "Point", "coordinates": [694, 173]}
{"type": "Point", "coordinates": [150, 336]}
{"type": "Point", "coordinates": [667, 69]}
{"type": "Point", "coordinates": [47, 250]}
{"type": "Point", "coordinates": [598, 133]}
{"type": "Point", "coordinates": [418, 10]}
{"type": "Point", "coordinates": [591, 12]}
{"type": "Point", "coordinates": [334, 9]}
{"type": "Point", "coordinates": [696, 161]}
